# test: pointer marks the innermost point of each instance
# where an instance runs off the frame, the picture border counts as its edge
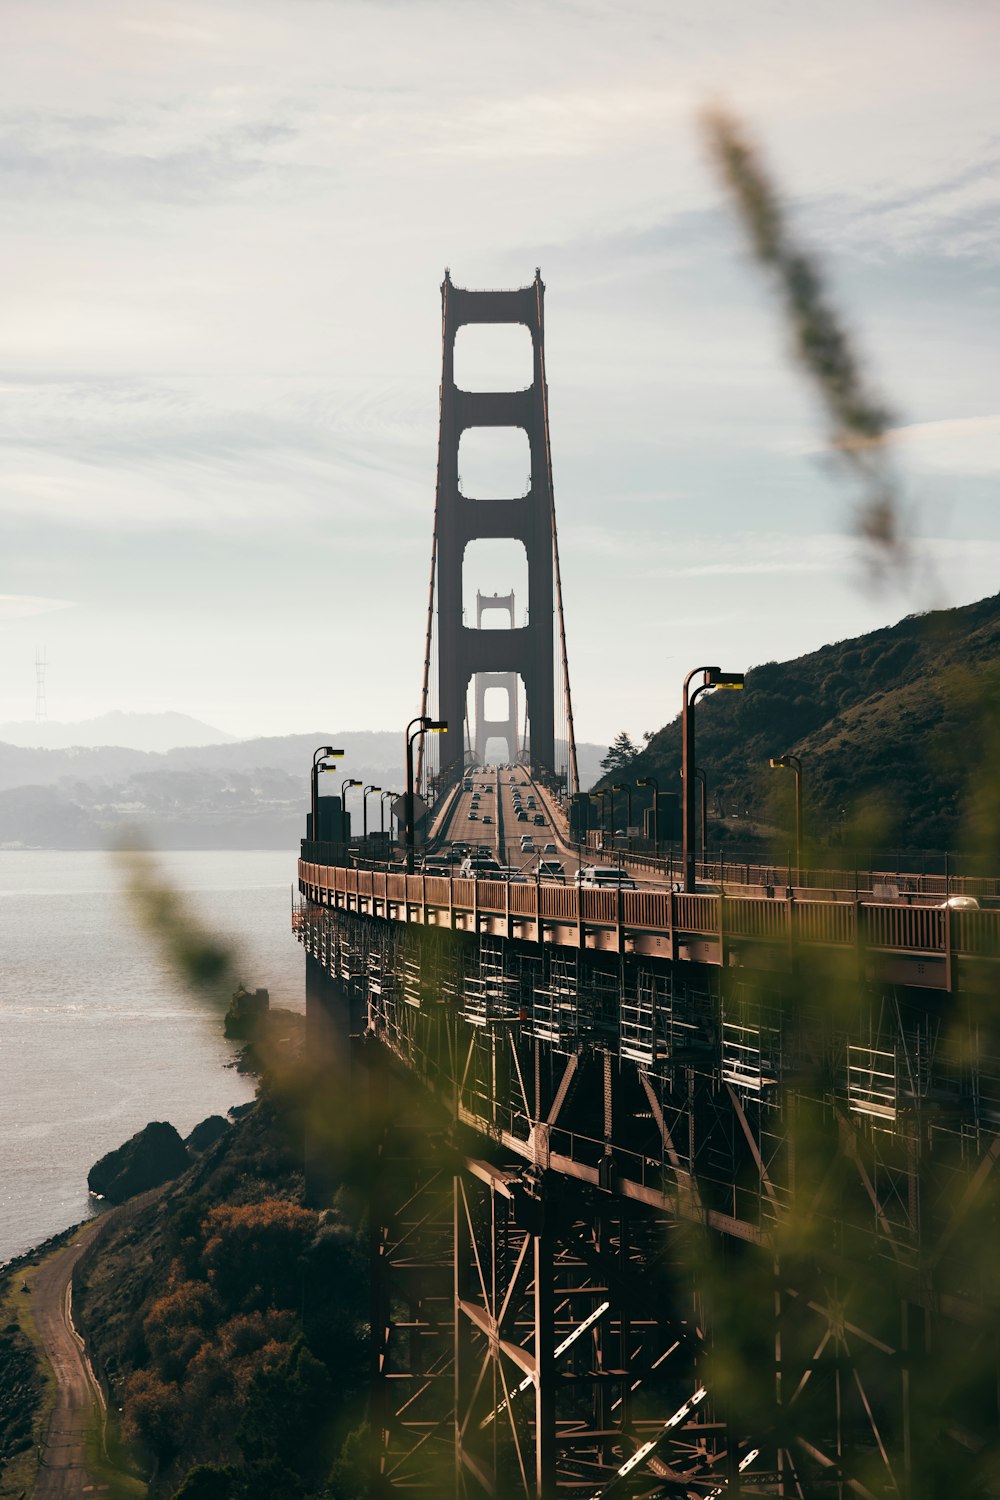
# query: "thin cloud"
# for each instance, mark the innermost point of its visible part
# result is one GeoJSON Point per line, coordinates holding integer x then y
{"type": "Point", "coordinates": [21, 606]}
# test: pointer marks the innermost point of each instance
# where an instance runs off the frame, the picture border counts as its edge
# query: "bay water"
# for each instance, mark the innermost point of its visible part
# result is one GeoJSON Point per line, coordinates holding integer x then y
{"type": "Point", "coordinates": [97, 1034]}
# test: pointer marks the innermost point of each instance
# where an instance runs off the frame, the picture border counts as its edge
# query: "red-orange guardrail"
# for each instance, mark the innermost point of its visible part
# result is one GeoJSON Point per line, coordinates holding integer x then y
{"type": "Point", "coordinates": [557, 901]}
{"type": "Point", "coordinates": [522, 899]}
{"type": "Point", "coordinates": [893, 927]}
{"type": "Point", "coordinates": [824, 921]}
{"type": "Point", "coordinates": [915, 928]}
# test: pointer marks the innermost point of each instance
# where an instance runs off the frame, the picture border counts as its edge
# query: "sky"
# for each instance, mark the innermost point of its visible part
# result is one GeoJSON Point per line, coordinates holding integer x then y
{"type": "Point", "coordinates": [226, 227]}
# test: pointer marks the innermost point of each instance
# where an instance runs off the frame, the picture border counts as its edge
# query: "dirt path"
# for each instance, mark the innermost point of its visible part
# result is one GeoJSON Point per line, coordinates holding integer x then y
{"type": "Point", "coordinates": [63, 1472]}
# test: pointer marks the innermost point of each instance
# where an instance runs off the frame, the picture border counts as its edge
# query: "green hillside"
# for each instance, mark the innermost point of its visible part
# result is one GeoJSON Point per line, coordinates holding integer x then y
{"type": "Point", "coordinates": [898, 732]}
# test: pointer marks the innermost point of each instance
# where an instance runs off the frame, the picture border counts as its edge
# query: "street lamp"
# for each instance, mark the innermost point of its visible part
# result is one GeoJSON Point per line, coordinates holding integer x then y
{"type": "Point", "coordinates": [652, 781]}
{"type": "Point", "coordinates": [594, 796]}
{"type": "Point", "coordinates": [621, 786]}
{"type": "Point", "coordinates": [792, 763]}
{"type": "Point", "coordinates": [702, 780]}
{"type": "Point", "coordinates": [714, 678]}
{"type": "Point", "coordinates": [321, 753]}
{"type": "Point", "coordinates": [343, 808]}
{"type": "Point", "coordinates": [364, 810]}
{"type": "Point", "coordinates": [382, 801]}
{"type": "Point", "coordinates": [423, 726]}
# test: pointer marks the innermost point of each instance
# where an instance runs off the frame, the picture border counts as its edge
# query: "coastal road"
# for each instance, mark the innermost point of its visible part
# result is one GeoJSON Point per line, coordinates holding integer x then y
{"type": "Point", "coordinates": [63, 1474]}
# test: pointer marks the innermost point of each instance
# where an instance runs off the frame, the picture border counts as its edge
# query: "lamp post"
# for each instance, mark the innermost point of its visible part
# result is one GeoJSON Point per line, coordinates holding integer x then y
{"type": "Point", "coordinates": [364, 810]}
{"type": "Point", "coordinates": [382, 801]}
{"type": "Point", "coordinates": [714, 677]}
{"type": "Point", "coordinates": [595, 796]}
{"type": "Point", "coordinates": [702, 781]}
{"type": "Point", "coordinates": [343, 807]}
{"type": "Point", "coordinates": [652, 781]}
{"type": "Point", "coordinates": [621, 786]}
{"type": "Point", "coordinates": [423, 726]}
{"type": "Point", "coordinates": [793, 763]}
{"type": "Point", "coordinates": [320, 754]}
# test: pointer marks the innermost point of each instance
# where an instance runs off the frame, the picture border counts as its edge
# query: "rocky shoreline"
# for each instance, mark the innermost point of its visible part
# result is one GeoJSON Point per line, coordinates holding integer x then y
{"type": "Point", "coordinates": [147, 1184]}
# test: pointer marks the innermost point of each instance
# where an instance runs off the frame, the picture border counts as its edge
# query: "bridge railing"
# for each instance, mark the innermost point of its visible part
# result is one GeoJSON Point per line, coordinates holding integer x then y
{"type": "Point", "coordinates": [856, 881]}
{"type": "Point", "coordinates": [886, 926]}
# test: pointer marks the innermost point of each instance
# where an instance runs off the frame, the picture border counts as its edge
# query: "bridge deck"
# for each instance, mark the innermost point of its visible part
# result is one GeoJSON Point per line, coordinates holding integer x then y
{"type": "Point", "coordinates": [917, 945]}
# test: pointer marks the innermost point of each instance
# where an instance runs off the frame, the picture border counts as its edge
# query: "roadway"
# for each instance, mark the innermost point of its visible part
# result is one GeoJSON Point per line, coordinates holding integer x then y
{"type": "Point", "coordinates": [63, 1473]}
{"type": "Point", "coordinates": [486, 817]}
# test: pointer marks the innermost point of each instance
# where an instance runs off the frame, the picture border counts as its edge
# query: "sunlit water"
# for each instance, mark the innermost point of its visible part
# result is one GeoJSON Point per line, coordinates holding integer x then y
{"type": "Point", "coordinates": [97, 1037]}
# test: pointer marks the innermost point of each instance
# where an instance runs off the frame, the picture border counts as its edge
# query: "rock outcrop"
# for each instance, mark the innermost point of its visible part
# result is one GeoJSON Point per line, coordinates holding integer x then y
{"type": "Point", "coordinates": [247, 1010]}
{"type": "Point", "coordinates": [153, 1156]}
{"type": "Point", "coordinates": [206, 1133]}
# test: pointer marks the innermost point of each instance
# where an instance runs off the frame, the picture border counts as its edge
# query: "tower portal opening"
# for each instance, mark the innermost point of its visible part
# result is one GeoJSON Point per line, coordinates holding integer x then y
{"type": "Point", "coordinates": [494, 463]}
{"type": "Point", "coordinates": [496, 704]}
{"type": "Point", "coordinates": [494, 357]}
{"type": "Point", "coordinates": [493, 569]}
{"type": "Point", "coordinates": [497, 752]}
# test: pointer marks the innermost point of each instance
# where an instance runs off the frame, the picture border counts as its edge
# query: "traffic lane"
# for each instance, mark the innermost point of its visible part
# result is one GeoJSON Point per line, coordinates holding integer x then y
{"type": "Point", "coordinates": [476, 830]}
{"type": "Point", "coordinates": [519, 784]}
{"type": "Point", "coordinates": [573, 860]}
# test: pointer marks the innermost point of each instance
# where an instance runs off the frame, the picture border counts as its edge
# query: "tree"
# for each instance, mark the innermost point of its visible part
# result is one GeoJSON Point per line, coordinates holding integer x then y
{"type": "Point", "coordinates": [208, 1482]}
{"type": "Point", "coordinates": [621, 753]}
{"type": "Point", "coordinates": [286, 1422]}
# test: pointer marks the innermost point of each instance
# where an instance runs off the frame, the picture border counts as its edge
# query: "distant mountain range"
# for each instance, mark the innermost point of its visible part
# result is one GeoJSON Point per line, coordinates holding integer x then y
{"type": "Point", "coordinates": [157, 732]}
{"type": "Point", "coordinates": [239, 794]}
{"type": "Point", "coordinates": [898, 732]}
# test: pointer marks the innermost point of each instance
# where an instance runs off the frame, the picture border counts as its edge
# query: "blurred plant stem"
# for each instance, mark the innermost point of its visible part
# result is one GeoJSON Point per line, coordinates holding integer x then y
{"type": "Point", "coordinates": [859, 421]}
{"type": "Point", "coordinates": [205, 962]}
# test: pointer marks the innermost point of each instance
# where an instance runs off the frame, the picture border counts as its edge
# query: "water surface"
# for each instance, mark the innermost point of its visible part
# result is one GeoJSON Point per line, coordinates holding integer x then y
{"type": "Point", "coordinates": [97, 1037]}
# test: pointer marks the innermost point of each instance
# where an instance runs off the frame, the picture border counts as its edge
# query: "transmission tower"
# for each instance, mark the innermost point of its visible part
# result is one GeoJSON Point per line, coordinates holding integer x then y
{"type": "Point", "coordinates": [41, 662]}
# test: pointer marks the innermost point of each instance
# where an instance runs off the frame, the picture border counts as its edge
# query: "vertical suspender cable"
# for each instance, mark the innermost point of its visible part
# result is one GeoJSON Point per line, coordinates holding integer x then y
{"type": "Point", "coordinates": [437, 501]}
{"type": "Point", "coordinates": [574, 785]}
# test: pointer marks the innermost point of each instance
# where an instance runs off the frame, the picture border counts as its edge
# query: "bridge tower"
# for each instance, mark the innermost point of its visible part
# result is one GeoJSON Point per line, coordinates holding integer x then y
{"type": "Point", "coordinates": [528, 650]}
{"type": "Point", "coordinates": [505, 728]}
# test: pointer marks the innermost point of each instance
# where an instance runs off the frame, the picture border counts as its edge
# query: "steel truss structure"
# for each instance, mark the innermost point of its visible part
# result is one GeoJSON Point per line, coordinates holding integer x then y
{"type": "Point", "coordinates": [653, 1228]}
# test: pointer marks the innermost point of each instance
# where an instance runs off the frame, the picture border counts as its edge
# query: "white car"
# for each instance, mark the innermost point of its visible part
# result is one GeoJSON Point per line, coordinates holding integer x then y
{"type": "Point", "coordinates": [605, 877]}
{"type": "Point", "coordinates": [960, 903]}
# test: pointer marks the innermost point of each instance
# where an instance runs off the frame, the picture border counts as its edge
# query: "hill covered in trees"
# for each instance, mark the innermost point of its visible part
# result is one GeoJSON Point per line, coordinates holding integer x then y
{"type": "Point", "coordinates": [228, 1322]}
{"type": "Point", "coordinates": [898, 732]}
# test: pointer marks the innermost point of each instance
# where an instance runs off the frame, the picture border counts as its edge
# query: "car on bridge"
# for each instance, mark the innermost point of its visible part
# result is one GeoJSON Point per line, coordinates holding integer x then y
{"type": "Point", "coordinates": [605, 877]}
{"type": "Point", "coordinates": [550, 869]}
